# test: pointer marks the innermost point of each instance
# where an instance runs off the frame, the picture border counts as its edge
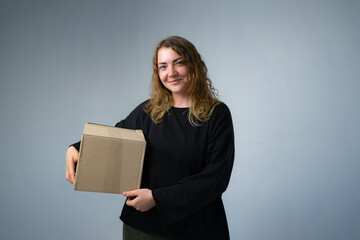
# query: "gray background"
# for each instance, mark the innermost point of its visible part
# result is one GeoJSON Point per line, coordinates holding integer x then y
{"type": "Point", "coordinates": [288, 70]}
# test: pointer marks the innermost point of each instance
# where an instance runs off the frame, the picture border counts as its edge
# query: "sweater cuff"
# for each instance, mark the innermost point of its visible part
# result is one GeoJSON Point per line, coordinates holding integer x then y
{"type": "Point", "coordinates": [76, 145]}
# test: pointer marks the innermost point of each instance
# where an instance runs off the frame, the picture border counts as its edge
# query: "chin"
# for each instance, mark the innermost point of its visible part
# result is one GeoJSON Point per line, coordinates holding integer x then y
{"type": "Point", "coordinates": [177, 91]}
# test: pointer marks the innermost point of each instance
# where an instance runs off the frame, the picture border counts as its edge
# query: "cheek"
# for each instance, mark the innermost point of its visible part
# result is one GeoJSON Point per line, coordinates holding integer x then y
{"type": "Point", "coordinates": [162, 77]}
{"type": "Point", "coordinates": [184, 72]}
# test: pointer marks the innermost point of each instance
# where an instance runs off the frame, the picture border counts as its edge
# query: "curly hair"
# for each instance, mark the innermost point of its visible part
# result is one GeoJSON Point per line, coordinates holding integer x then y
{"type": "Point", "coordinates": [202, 94]}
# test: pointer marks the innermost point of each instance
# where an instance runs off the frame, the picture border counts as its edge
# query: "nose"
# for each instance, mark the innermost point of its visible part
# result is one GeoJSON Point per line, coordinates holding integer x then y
{"type": "Point", "coordinates": [172, 71]}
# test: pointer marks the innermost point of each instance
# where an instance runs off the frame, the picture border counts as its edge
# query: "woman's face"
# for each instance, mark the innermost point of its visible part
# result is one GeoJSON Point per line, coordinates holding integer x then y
{"type": "Point", "coordinates": [172, 71]}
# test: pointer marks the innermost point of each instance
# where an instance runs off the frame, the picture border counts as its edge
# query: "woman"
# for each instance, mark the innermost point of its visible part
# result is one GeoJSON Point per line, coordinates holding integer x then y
{"type": "Point", "coordinates": [189, 154]}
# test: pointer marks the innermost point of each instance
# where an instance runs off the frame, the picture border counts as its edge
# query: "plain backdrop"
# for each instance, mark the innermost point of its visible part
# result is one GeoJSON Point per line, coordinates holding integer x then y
{"type": "Point", "coordinates": [288, 70]}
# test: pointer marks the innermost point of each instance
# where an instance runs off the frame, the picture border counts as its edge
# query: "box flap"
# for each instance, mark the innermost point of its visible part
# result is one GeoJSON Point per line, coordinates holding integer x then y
{"type": "Point", "coordinates": [113, 132]}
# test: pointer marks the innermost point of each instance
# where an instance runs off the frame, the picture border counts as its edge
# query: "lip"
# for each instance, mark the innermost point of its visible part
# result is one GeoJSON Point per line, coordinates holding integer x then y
{"type": "Point", "coordinates": [175, 81]}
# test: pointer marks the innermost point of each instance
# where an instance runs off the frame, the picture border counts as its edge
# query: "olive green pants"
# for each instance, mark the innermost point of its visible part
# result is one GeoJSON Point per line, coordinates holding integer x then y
{"type": "Point", "coordinates": [130, 233]}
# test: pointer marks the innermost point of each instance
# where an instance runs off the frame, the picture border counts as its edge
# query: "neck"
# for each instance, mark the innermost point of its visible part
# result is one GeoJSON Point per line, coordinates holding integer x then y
{"type": "Point", "coordinates": [180, 101]}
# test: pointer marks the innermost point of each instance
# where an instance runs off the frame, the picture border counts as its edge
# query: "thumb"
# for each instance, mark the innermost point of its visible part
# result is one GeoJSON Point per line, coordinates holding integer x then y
{"type": "Point", "coordinates": [133, 193]}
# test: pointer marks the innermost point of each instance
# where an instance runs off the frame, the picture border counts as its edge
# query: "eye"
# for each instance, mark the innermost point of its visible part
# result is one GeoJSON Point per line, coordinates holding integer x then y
{"type": "Point", "coordinates": [162, 67]}
{"type": "Point", "coordinates": [179, 63]}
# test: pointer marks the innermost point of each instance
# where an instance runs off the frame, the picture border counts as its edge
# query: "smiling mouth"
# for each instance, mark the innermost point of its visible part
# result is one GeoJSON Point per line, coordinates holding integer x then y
{"type": "Point", "coordinates": [175, 81]}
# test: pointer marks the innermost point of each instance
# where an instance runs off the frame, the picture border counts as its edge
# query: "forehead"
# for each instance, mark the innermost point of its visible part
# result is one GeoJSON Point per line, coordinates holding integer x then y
{"type": "Point", "coordinates": [167, 54]}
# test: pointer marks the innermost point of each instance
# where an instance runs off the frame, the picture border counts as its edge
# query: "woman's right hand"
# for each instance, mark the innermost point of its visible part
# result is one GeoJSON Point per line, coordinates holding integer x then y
{"type": "Point", "coordinates": [72, 156]}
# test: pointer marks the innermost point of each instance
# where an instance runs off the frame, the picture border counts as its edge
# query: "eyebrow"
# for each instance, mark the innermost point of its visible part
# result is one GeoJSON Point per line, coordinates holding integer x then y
{"type": "Point", "coordinates": [164, 63]}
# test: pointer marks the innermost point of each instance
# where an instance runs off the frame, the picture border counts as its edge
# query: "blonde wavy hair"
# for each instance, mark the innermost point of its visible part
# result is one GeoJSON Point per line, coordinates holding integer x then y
{"type": "Point", "coordinates": [202, 94]}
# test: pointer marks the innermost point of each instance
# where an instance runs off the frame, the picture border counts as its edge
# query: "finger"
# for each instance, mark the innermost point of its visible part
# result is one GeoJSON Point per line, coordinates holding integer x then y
{"type": "Point", "coordinates": [71, 157]}
{"type": "Point", "coordinates": [68, 178]}
{"type": "Point", "coordinates": [73, 171]}
{"type": "Point", "coordinates": [131, 202]}
{"type": "Point", "coordinates": [73, 178]}
{"type": "Point", "coordinates": [70, 175]}
{"type": "Point", "coordinates": [129, 194]}
{"type": "Point", "coordinates": [72, 168]}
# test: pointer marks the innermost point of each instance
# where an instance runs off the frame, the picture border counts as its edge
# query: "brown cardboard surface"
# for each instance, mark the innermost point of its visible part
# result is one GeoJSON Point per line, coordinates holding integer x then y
{"type": "Point", "coordinates": [110, 159]}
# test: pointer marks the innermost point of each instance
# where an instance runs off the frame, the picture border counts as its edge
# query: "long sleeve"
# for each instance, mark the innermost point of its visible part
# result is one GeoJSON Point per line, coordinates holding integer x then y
{"type": "Point", "coordinates": [192, 193]}
{"type": "Point", "coordinates": [76, 145]}
{"type": "Point", "coordinates": [132, 121]}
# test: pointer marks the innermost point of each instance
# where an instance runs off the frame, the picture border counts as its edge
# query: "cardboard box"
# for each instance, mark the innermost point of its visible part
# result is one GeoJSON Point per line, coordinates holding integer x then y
{"type": "Point", "coordinates": [110, 159]}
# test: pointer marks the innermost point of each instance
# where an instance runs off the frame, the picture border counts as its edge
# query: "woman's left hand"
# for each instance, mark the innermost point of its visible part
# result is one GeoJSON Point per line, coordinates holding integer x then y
{"type": "Point", "coordinates": [141, 199]}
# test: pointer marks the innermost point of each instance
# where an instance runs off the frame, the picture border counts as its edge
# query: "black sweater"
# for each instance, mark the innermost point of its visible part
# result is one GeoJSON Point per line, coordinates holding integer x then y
{"type": "Point", "coordinates": [187, 168]}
